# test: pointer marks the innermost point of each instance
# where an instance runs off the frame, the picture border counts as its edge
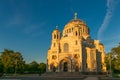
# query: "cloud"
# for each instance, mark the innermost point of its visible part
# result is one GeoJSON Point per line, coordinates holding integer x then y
{"type": "Point", "coordinates": [14, 21]}
{"type": "Point", "coordinates": [34, 29]}
{"type": "Point", "coordinates": [71, 7]}
{"type": "Point", "coordinates": [25, 26]}
{"type": "Point", "coordinates": [111, 4]}
{"type": "Point", "coordinates": [30, 29]}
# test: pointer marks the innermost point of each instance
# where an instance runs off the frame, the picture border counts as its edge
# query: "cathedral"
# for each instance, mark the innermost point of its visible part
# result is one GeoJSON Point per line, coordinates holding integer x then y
{"type": "Point", "coordinates": [74, 50]}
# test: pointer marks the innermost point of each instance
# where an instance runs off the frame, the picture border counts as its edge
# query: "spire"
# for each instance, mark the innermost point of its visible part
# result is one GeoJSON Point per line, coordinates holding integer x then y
{"type": "Point", "coordinates": [75, 15]}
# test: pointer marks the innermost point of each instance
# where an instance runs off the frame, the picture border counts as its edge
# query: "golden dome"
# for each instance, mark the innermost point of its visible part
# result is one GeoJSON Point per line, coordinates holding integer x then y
{"type": "Point", "coordinates": [76, 26]}
{"type": "Point", "coordinates": [75, 22]}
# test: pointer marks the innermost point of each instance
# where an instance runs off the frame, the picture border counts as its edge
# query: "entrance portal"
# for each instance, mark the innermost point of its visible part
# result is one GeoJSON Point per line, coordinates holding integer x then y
{"type": "Point", "coordinates": [65, 68]}
{"type": "Point", "coordinates": [65, 65]}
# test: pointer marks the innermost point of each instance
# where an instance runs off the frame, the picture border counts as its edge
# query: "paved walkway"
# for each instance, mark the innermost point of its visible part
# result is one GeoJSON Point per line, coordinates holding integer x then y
{"type": "Point", "coordinates": [91, 78]}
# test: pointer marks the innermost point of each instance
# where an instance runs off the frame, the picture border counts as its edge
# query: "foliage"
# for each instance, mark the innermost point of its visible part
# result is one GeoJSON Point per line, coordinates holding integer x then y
{"type": "Point", "coordinates": [12, 61]}
{"type": "Point", "coordinates": [1, 66]}
{"type": "Point", "coordinates": [42, 67]}
{"type": "Point", "coordinates": [33, 67]}
{"type": "Point", "coordinates": [113, 58]}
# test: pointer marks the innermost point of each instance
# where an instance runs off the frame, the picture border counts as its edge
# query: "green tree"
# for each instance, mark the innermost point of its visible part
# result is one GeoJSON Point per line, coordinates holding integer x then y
{"type": "Point", "coordinates": [12, 61]}
{"type": "Point", "coordinates": [6, 59]}
{"type": "Point", "coordinates": [1, 66]}
{"type": "Point", "coordinates": [113, 59]}
{"type": "Point", "coordinates": [116, 58]}
{"type": "Point", "coordinates": [27, 68]}
{"type": "Point", "coordinates": [42, 67]}
{"type": "Point", "coordinates": [109, 61]}
{"type": "Point", "coordinates": [18, 62]}
{"type": "Point", "coordinates": [33, 67]}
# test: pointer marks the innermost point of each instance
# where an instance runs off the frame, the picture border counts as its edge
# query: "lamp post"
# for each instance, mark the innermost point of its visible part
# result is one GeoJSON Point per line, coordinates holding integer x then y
{"type": "Point", "coordinates": [15, 66]}
{"type": "Point", "coordinates": [110, 66]}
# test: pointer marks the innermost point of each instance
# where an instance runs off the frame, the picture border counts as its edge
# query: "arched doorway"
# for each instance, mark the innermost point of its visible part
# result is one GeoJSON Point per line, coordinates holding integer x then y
{"type": "Point", "coordinates": [65, 67]}
{"type": "Point", "coordinates": [53, 68]}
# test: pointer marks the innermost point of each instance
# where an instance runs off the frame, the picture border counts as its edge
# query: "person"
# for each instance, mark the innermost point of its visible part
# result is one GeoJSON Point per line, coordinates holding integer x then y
{"type": "Point", "coordinates": [107, 73]}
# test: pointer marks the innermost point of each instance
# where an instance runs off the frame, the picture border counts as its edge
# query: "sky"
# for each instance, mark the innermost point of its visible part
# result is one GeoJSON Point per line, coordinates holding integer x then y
{"type": "Point", "coordinates": [26, 25]}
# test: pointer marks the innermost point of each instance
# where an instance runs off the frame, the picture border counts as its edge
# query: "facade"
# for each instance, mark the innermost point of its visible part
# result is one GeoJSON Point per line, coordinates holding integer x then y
{"type": "Point", "coordinates": [74, 50]}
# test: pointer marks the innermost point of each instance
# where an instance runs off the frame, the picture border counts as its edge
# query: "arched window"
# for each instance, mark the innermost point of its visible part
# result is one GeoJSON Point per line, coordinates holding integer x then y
{"type": "Point", "coordinates": [66, 47]}
{"type": "Point", "coordinates": [69, 30]}
{"type": "Point", "coordinates": [57, 36]}
{"type": "Point", "coordinates": [76, 33]}
{"type": "Point", "coordinates": [54, 36]}
{"type": "Point", "coordinates": [72, 29]}
{"type": "Point", "coordinates": [79, 33]}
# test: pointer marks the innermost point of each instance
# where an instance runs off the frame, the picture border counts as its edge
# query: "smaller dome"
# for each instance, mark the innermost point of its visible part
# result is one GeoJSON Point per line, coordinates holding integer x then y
{"type": "Point", "coordinates": [56, 30]}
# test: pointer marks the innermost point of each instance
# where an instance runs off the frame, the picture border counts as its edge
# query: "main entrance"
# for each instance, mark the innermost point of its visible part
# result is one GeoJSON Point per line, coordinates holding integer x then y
{"type": "Point", "coordinates": [65, 67]}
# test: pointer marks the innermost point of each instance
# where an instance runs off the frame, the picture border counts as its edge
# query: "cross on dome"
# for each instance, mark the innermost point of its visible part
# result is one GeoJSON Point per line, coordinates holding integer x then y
{"type": "Point", "coordinates": [56, 27]}
{"type": "Point", "coordinates": [75, 15]}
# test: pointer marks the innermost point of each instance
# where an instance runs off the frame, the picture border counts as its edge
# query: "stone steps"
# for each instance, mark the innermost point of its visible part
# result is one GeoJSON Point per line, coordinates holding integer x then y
{"type": "Point", "coordinates": [69, 75]}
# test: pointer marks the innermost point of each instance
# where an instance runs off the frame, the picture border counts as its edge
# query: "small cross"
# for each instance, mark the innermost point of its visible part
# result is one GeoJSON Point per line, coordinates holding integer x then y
{"type": "Point", "coordinates": [56, 27]}
{"type": "Point", "coordinates": [75, 15]}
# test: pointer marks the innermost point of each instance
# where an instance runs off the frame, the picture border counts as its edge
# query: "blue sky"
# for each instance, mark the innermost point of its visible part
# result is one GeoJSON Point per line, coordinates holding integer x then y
{"type": "Point", "coordinates": [26, 25]}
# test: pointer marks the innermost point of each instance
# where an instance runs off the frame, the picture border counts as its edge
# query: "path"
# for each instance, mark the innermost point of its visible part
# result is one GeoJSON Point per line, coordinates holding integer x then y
{"type": "Point", "coordinates": [91, 78]}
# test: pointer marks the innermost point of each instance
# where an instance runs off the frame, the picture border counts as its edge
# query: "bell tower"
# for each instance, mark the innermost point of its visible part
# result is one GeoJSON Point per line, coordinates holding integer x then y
{"type": "Point", "coordinates": [55, 39]}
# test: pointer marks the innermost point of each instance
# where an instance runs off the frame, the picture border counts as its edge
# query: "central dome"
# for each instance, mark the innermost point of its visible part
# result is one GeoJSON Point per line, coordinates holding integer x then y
{"type": "Point", "coordinates": [76, 26]}
{"type": "Point", "coordinates": [75, 22]}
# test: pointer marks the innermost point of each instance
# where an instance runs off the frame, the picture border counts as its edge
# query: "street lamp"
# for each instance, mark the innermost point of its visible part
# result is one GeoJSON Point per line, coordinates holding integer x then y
{"type": "Point", "coordinates": [15, 66]}
{"type": "Point", "coordinates": [110, 65]}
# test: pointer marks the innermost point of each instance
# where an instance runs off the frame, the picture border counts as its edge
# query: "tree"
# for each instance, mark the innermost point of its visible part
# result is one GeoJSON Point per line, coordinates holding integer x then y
{"type": "Point", "coordinates": [116, 58]}
{"type": "Point", "coordinates": [112, 59]}
{"type": "Point", "coordinates": [19, 63]}
{"type": "Point", "coordinates": [27, 68]}
{"type": "Point", "coordinates": [1, 66]}
{"type": "Point", "coordinates": [33, 66]}
{"type": "Point", "coordinates": [6, 59]}
{"type": "Point", "coordinates": [42, 67]}
{"type": "Point", "coordinates": [12, 61]}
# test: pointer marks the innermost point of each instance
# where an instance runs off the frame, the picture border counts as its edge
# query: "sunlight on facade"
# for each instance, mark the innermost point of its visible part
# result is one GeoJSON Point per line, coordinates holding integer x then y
{"type": "Point", "coordinates": [74, 50]}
